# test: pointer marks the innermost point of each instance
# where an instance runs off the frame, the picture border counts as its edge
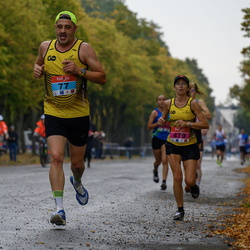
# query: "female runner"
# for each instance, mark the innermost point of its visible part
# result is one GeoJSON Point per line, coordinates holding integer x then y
{"type": "Point", "coordinates": [181, 145]}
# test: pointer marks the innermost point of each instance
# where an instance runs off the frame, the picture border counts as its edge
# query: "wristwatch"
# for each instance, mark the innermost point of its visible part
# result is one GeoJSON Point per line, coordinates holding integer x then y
{"type": "Point", "coordinates": [83, 71]}
{"type": "Point", "coordinates": [190, 124]}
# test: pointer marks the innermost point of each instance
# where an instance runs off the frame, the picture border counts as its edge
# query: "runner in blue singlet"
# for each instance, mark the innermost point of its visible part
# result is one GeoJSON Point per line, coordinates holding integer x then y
{"type": "Point", "coordinates": [159, 137]}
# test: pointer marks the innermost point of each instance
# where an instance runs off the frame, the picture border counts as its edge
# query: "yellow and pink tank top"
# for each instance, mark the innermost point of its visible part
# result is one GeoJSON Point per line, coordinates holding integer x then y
{"type": "Point", "coordinates": [181, 136]}
{"type": "Point", "coordinates": [65, 94]}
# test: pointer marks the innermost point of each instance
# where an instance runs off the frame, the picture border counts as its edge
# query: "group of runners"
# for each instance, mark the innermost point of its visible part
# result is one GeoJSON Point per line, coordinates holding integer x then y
{"type": "Point", "coordinates": [220, 142]}
{"type": "Point", "coordinates": [66, 63]}
{"type": "Point", "coordinates": [178, 124]}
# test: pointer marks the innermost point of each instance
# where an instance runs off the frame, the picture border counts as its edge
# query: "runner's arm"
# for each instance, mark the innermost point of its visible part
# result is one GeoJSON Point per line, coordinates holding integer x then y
{"type": "Point", "coordinates": [202, 123]}
{"type": "Point", "coordinates": [88, 56]}
{"type": "Point", "coordinates": [205, 109]}
{"type": "Point", "coordinates": [39, 65]}
{"type": "Point", "coordinates": [162, 120]}
{"type": "Point", "coordinates": [152, 116]}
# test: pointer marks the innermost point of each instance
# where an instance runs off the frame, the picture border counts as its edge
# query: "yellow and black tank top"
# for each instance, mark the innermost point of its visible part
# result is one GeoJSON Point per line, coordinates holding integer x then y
{"type": "Point", "coordinates": [65, 94]}
{"type": "Point", "coordinates": [181, 136]}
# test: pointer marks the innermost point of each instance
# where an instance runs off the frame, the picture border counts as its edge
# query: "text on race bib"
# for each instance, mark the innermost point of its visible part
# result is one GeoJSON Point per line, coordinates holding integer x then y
{"type": "Point", "coordinates": [178, 134]}
{"type": "Point", "coordinates": [63, 85]}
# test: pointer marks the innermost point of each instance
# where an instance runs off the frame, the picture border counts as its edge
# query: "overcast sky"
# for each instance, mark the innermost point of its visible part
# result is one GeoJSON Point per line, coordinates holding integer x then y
{"type": "Point", "coordinates": [206, 30]}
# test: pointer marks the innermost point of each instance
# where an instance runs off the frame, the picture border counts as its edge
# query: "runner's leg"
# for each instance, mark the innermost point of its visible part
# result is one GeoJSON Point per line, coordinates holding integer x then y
{"type": "Point", "coordinates": [56, 145]}
{"type": "Point", "coordinates": [175, 164]}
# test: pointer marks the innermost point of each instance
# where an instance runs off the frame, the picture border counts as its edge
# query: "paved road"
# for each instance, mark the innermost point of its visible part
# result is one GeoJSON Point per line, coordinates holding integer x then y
{"type": "Point", "coordinates": [126, 209]}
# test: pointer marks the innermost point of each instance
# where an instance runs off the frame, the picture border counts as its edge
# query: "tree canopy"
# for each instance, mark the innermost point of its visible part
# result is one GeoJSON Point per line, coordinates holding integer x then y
{"type": "Point", "coordinates": [242, 93]}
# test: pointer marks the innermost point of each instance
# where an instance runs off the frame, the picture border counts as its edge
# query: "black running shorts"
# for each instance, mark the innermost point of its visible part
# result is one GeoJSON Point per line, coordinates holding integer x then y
{"type": "Point", "coordinates": [221, 148]}
{"type": "Point", "coordinates": [74, 129]}
{"type": "Point", "coordinates": [157, 143]}
{"type": "Point", "coordinates": [243, 149]}
{"type": "Point", "coordinates": [190, 152]}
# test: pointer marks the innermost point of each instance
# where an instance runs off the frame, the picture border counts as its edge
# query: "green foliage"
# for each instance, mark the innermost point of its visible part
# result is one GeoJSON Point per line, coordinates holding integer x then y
{"type": "Point", "coordinates": [100, 8]}
{"type": "Point", "coordinates": [18, 39]}
{"type": "Point", "coordinates": [245, 25]}
{"type": "Point", "coordinates": [242, 93]}
{"type": "Point", "coordinates": [235, 92]}
{"type": "Point", "coordinates": [242, 120]}
{"type": "Point", "coordinates": [247, 204]}
{"type": "Point", "coordinates": [126, 21]}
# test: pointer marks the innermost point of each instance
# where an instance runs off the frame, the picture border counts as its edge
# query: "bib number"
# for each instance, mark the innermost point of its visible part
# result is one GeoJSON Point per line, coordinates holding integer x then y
{"type": "Point", "coordinates": [165, 128]}
{"type": "Point", "coordinates": [181, 135]}
{"type": "Point", "coordinates": [63, 85]}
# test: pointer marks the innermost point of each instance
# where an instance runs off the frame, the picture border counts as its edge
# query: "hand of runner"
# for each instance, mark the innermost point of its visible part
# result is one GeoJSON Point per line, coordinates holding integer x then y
{"type": "Point", "coordinates": [161, 121]}
{"type": "Point", "coordinates": [38, 70]}
{"type": "Point", "coordinates": [70, 67]}
{"type": "Point", "coordinates": [181, 123]}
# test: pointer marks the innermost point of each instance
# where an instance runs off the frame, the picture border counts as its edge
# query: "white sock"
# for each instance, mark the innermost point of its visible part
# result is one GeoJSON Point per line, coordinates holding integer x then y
{"type": "Point", "coordinates": [59, 203]}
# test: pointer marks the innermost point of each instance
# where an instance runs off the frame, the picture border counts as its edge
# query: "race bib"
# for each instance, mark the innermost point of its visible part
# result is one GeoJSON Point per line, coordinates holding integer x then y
{"type": "Point", "coordinates": [178, 134]}
{"type": "Point", "coordinates": [163, 129]}
{"type": "Point", "coordinates": [63, 85]}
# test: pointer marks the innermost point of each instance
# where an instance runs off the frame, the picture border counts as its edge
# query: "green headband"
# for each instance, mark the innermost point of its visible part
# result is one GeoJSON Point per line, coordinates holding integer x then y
{"type": "Point", "coordinates": [66, 15]}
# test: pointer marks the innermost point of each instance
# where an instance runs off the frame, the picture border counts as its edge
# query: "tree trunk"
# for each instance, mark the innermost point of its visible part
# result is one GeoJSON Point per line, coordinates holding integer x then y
{"type": "Point", "coordinates": [20, 129]}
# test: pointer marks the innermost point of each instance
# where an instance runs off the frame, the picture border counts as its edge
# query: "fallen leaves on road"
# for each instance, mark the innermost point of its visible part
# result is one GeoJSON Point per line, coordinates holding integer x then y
{"type": "Point", "coordinates": [237, 226]}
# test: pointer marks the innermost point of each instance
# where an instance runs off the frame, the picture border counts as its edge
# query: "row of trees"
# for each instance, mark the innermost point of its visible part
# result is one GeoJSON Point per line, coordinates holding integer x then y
{"type": "Point", "coordinates": [137, 61]}
{"type": "Point", "coordinates": [242, 93]}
